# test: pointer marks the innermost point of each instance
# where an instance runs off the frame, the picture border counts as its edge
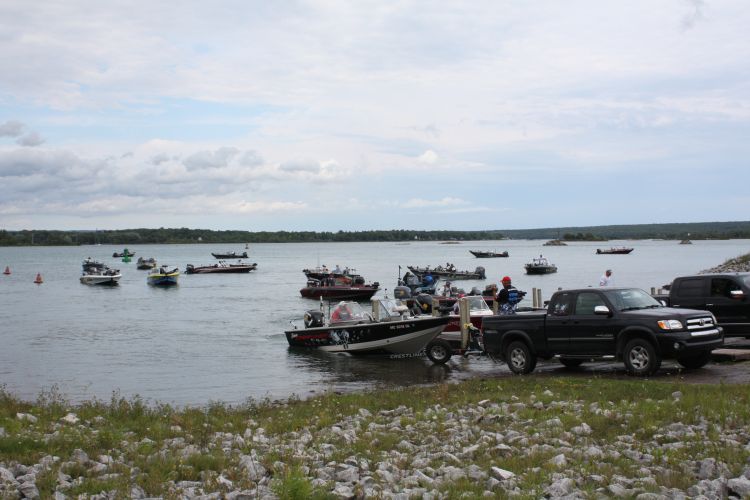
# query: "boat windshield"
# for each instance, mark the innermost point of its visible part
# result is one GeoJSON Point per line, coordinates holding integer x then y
{"type": "Point", "coordinates": [347, 311]}
{"type": "Point", "coordinates": [477, 304]}
{"type": "Point", "coordinates": [390, 308]}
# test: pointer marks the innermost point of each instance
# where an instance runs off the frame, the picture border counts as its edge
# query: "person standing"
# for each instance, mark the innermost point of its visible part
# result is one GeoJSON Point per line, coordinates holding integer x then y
{"type": "Point", "coordinates": [606, 279]}
{"type": "Point", "coordinates": [508, 297]}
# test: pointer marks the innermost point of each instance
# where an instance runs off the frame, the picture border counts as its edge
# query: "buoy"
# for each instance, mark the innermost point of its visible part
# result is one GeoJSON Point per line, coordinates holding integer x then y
{"type": "Point", "coordinates": [38, 279]}
{"type": "Point", "coordinates": [7, 270]}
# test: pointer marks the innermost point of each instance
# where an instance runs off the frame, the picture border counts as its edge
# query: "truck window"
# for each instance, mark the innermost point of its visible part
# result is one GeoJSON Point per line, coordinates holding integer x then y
{"type": "Point", "coordinates": [692, 287]}
{"type": "Point", "coordinates": [563, 305]}
{"type": "Point", "coordinates": [586, 302]}
{"type": "Point", "coordinates": [720, 287]}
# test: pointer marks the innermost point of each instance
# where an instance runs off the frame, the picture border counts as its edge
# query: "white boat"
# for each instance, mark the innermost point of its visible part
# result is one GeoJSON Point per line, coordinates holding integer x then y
{"type": "Point", "coordinates": [104, 276]}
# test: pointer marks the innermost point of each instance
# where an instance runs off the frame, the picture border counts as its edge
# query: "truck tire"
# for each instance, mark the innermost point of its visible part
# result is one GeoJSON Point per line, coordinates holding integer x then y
{"type": "Point", "coordinates": [571, 362]}
{"type": "Point", "coordinates": [439, 351]}
{"type": "Point", "coordinates": [520, 358]}
{"type": "Point", "coordinates": [695, 361]}
{"type": "Point", "coordinates": [641, 358]}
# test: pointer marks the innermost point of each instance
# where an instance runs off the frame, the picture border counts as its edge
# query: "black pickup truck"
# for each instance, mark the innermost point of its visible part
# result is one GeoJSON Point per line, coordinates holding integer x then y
{"type": "Point", "coordinates": [726, 295]}
{"type": "Point", "coordinates": [603, 323]}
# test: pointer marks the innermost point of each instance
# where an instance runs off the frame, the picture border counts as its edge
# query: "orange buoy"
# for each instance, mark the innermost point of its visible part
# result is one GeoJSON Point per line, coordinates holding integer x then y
{"type": "Point", "coordinates": [7, 270]}
{"type": "Point", "coordinates": [38, 279]}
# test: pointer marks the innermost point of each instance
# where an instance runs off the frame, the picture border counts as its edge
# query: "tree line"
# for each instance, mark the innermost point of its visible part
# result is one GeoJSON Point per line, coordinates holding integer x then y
{"type": "Point", "coordinates": [678, 231]}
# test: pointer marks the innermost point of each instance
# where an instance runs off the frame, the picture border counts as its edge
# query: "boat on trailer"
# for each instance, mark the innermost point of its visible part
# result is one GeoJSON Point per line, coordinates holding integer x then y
{"type": "Point", "coordinates": [350, 329]}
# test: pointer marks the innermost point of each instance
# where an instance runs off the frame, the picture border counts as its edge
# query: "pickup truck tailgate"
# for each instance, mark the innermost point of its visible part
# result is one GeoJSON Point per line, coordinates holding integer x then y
{"type": "Point", "coordinates": [494, 328]}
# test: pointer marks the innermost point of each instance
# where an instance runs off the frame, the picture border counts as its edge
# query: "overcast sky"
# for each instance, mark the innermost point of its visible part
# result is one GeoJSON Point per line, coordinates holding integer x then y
{"type": "Point", "coordinates": [355, 115]}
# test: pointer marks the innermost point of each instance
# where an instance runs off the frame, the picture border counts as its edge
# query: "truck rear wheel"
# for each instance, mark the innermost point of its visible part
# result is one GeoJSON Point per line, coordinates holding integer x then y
{"type": "Point", "coordinates": [439, 351]}
{"type": "Point", "coordinates": [641, 357]}
{"type": "Point", "coordinates": [695, 361]}
{"type": "Point", "coordinates": [520, 358]}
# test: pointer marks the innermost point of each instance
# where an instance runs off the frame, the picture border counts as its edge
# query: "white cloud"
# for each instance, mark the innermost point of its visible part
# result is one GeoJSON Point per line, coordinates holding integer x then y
{"type": "Point", "coordinates": [429, 157]}
{"type": "Point", "coordinates": [443, 202]}
{"type": "Point", "coordinates": [11, 128]}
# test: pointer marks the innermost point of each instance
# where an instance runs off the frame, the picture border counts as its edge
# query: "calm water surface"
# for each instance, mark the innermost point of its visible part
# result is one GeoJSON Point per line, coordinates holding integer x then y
{"type": "Point", "coordinates": [220, 337]}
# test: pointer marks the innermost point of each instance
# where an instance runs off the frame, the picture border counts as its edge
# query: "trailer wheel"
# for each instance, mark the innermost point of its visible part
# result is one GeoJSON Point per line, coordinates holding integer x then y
{"type": "Point", "coordinates": [439, 351]}
{"type": "Point", "coordinates": [520, 358]}
{"type": "Point", "coordinates": [695, 361]}
{"type": "Point", "coordinates": [641, 358]}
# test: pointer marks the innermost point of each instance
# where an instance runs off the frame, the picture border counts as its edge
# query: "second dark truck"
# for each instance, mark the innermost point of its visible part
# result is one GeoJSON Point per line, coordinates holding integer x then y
{"type": "Point", "coordinates": [625, 324]}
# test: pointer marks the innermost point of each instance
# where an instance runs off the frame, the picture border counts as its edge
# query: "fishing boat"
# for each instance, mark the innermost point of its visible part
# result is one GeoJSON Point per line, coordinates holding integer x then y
{"type": "Point", "coordinates": [124, 253]}
{"type": "Point", "coordinates": [614, 251]}
{"type": "Point", "coordinates": [540, 266]}
{"type": "Point", "coordinates": [163, 277]}
{"type": "Point", "coordinates": [100, 276]}
{"type": "Point", "coordinates": [487, 255]}
{"type": "Point", "coordinates": [142, 263]}
{"type": "Point", "coordinates": [322, 272]}
{"type": "Point", "coordinates": [230, 255]}
{"type": "Point", "coordinates": [449, 272]}
{"type": "Point", "coordinates": [221, 267]}
{"type": "Point", "coordinates": [340, 288]}
{"type": "Point", "coordinates": [350, 329]}
{"type": "Point", "coordinates": [90, 264]}
{"type": "Point", "coordinates": [686, 242]}
{"type": "Point", "coordinates": [555, 243]}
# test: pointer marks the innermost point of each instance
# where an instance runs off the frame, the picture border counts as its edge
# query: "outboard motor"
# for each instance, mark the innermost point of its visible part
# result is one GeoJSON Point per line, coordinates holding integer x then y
{"type": "Point", "coordinates": [424, 302]}
{"type": "Point", "coordinates": [475, 291]}
{"type": "Point", "coordinates": [480, 271]}
{"type": "Point", "coordinates": [359, 280]}
{"type": "Point", "coordinates": [313, 318]}
{"type": "Point", "coordinates": [401, 292]}
{"type": "Point", "coordinates": [189, 268]}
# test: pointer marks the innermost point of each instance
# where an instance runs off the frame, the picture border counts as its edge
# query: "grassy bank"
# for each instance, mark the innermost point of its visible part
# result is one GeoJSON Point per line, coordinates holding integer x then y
{"type": "Point", "coordinates": [442, 440]}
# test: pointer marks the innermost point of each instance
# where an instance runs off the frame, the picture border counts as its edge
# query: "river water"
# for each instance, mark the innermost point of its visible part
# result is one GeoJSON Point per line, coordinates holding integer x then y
{"type": "Point", "coordinates": [221, 337]}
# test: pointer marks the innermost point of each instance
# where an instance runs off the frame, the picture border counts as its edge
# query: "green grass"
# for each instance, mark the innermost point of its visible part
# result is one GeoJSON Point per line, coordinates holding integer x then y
{"type": "Point", "coordinates": [643, 409]}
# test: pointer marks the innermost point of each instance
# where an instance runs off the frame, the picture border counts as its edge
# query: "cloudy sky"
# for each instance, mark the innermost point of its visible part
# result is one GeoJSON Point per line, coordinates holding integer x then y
{"type": "Point", "coordinates": [328, 115]}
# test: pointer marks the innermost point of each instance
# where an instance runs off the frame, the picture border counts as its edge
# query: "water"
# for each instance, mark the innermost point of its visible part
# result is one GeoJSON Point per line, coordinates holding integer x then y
{"type": "Point", "coordinates": [220, 337]}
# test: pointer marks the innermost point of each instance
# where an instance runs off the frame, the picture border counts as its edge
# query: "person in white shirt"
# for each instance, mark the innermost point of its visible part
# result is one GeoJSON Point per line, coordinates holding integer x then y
{"type": "Point", "coordinates": [606, 279]}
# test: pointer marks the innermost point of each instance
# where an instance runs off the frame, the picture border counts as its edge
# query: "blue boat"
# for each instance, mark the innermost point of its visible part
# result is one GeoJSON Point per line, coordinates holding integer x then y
{"type": "Point", "coordinates": [163, 277]}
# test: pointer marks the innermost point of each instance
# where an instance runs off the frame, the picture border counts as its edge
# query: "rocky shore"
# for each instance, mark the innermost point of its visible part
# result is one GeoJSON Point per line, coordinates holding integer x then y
{"type": "Point", "coordinates": [739, 264]}
{"type": "Point", "coordinates": [517, 438]}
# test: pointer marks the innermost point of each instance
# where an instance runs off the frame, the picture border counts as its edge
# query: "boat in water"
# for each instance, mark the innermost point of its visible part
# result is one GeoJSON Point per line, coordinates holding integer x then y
{"type": "Point", "coordinates": [686, 242]}
{"type": "Point", "coordinates": [124, 253]}
{"type": "Point", "coordinates": [350, 329]}
{"type": "Point", "coordinates": [555, 243]}
{"type": "Point", "coordinates": [163, 277]}
{"type": "Point", "coordinates": [97, 273]}
{"type": "Point", "coordinates": [449, 272]}
{"type": "Point", "coordinates": [540, 266]}
{"type": "Point", "coordinates": [221, 267]}
{"type": "Point", "coordinates": [614, 251]}
{"type": "Point", "coordinates": [230, 255]}
{"type": "Point", "coordinates": [488, 255]}
{"type": "Point", "coordinates": [340, 288]}
{"type": "Point", "coordinates": [142, 263]}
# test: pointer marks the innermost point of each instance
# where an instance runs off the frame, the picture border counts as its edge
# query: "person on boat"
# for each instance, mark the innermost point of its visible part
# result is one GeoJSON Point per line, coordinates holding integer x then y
{"type": "Point", "coordinates": [447, 289]}
{"type": "Point", "coordinates": [342, 313]}
{"type": "Point", "coordinates": [508, 297]}
{"type": "Point", "coordinates": [606, 279]}
{"type": "Point", "coordinates": [337, 270]}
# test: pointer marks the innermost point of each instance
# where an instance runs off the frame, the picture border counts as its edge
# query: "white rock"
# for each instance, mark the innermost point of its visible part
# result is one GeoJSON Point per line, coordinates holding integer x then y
{"type": "Point", "coordinates": [29, 490]}
{"type": "Point", "coordinates": [677, 394]}
{"type": "Point", "coordinates": [255, 471]}
{"type": "Point", "coordinates": [71, 418]}
{"type": "Point", "coordinates": [6, 475]}
{"type": "Point", "coordinates": [501, 474]}
{"type": "Point", "coordinates": [27, 417]}
{"type": "Point", "coordinates": [548, 393]}
{"type": "Point", "coordinates": [560, 488]}
{"type": "Point", "coordinates": [2, 432]}
{"type": "Point", "coordinates": [223, 481]}
{"type": "Point", "coordinates": [80, 456]}
{"type": "Point", "coordinates": [740, 485]}
{"type": "Point", "coordinates": [581, 430]}
{"type": "Point", "coordinates": [594, 452]}
{"type": "Point", "coordinates": [559, 460]}
{"type": "Point", "coordinates": [343, 491]}
{"type": "Point", "coordinates": [347, 475]}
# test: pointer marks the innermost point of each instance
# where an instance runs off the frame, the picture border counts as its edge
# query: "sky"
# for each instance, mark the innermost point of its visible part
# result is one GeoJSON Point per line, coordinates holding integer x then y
{"type": "Point", "coordinates": [334, 115]}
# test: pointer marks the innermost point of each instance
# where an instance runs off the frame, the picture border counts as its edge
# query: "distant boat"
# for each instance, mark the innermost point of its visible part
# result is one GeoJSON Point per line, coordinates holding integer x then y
{"type": "Point", "coordinates": [686, 242]}
{"type": "Point", "coordinates": [449, 272]}
{"type": "Point", "coordinates": [614, 251]}
{"type": "Point", "coordinates": [163, 277]}
{"type": "Point", "coordinates": [149, 263]}
{"type": "Point", "coordinates": [487, 255]}
{"type": "Point", "coordinates": [221, 267]}
{"type": "Point", "coordinates": [555, 243]}
{"type": "Point", "coordinates": [230, 255]}
{"type": "Point", "coordinates": [540, 266]}
{"type": "Point", "coordinates": [125, 253]}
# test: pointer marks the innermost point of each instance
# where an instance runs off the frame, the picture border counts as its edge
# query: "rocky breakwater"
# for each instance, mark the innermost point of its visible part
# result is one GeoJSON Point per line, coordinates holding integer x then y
{"type": "Point", "coordinates": [540, 443]}
{"type": "Point", "coordinates": [739, 264]}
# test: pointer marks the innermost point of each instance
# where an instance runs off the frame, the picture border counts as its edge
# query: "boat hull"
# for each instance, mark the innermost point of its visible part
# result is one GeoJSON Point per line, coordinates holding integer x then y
{"type": "Point", "coordinates": [232, 255]}
{"type": "Point", "coordinates": [448, 275]}
{"type": "Point", "coordinates": [231, 269]}
{"type": "Point", "coordinates": [618, 251]}
{"type": "Point", "coordinates": [541, 269]}
{"type": "Point", "coordinates": [397, 337]}
{"type": "Point", "coordinates": [488, 255]}
{"type": "Point", "coordinates": [339, 292]}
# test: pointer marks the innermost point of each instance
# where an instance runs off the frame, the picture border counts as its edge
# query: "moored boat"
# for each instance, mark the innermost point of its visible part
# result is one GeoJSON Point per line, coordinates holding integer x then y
{"type": "Point", "coordinates": [540, 266]}
{"type": "Point", "coordinates": [221, 267]}
{"type": "Point", "coordinates": [142, 263]}
{"type": "Point", "coordinates": [163, 277]}
{"type": "Point", "coordinates": [449, 272]}
{"type": "Point", "coordinates": [124, 253]}
{"type": "Point", "coordinates": [340, 288]}
{"type": "Point", "coordinates": [230, 255]}
{"type": "Point", "coordinates": [488, 255]}
{"type": "Point", "coordinates": [614, 251]}
{"type": "Point", "coordinates": [90, 264]}
{"type": "Point", "coordinates": [350, 329]}
{"type": "Point", "coordinates": [100, 275]}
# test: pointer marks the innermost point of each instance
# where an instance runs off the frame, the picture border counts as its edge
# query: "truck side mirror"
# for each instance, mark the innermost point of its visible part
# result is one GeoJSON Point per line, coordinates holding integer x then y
{"type": "Point", "coordinates": [737, 294]}
{"type": "Point", "coordinates": [601, 310]}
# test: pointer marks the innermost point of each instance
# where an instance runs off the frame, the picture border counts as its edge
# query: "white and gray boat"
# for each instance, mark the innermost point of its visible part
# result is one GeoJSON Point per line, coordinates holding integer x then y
{"type": "Point", "coordinates": [96, 273]}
